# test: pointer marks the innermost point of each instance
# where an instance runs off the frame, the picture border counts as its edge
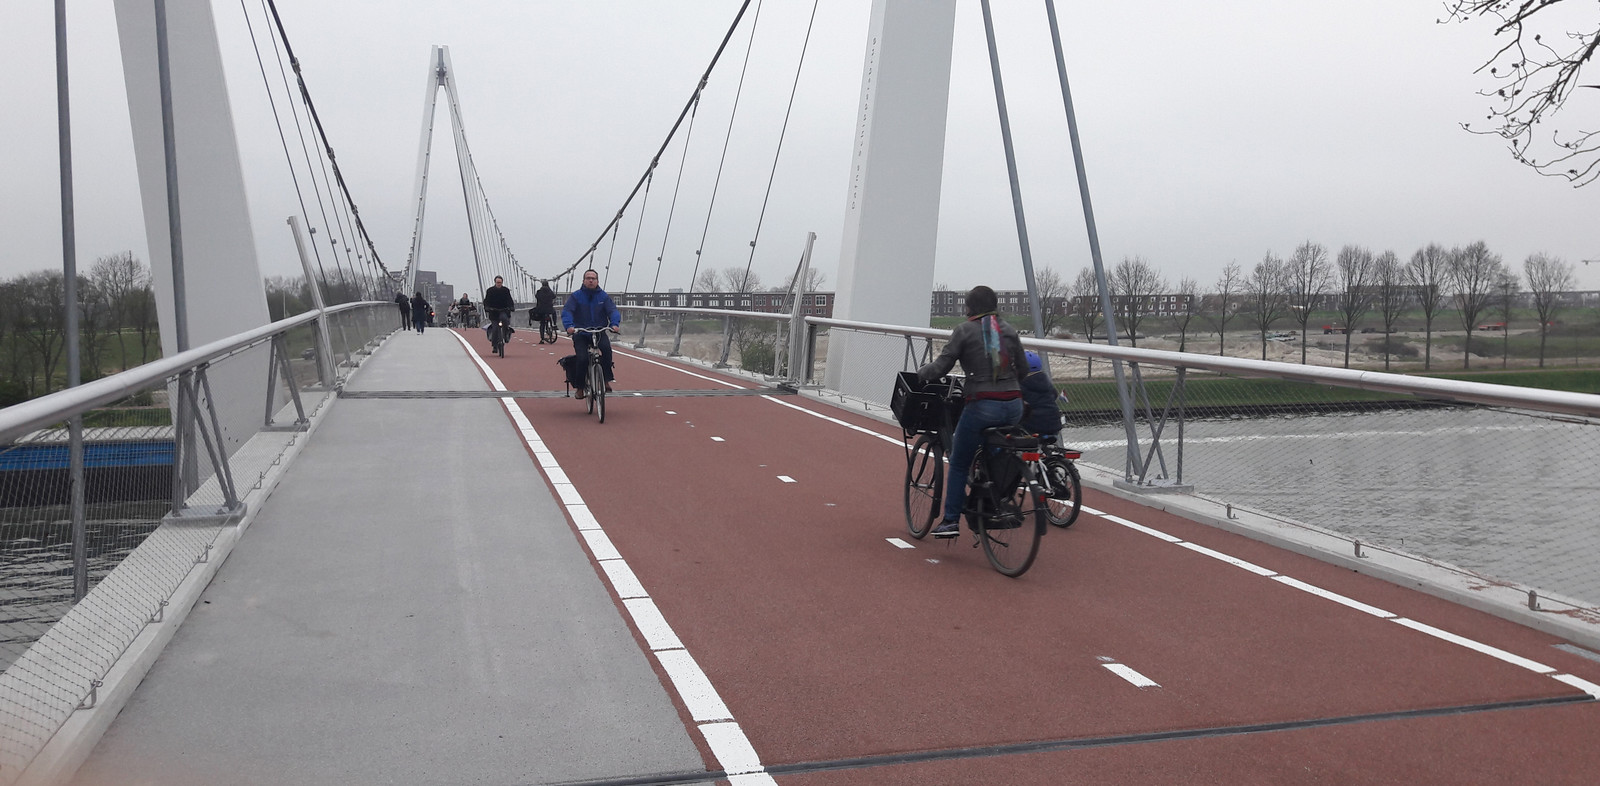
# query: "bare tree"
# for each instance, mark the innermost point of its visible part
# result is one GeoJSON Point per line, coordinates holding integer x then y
{"type": "Point", "coordinates": [1428, 272]}
{"type": "Point", "coordinates": [1506, 287]}
{"type": "Point", "coordinates": [1548, 277]}
{"type": "Point", "coordinates": [1536, 69]}
{"type": "Point", "coordinates": [118, 276]}
{"type": "Point", "coordinates": [40, 327]}
{"type": "Point", "coordinates": [1308, 276]}
{"type": "Point", "coordinates": [1266, 292]}
{"type": "Point", "coordinates": [1393, 296]}
{"type": "Point", "coordinates": [738, 279]}
{"type": "Point", "coordinates": [1226, 302]}
{"type": "Point", "coordinates": [94, 326]}
{"type": "Point", "coordinates": [1355, 284]}
{"type": "Point", "coordinates": [1085, 304]}
{"type": "Point", "coordinates": [142, 313]}
{"type": "Point", "coordinates": [709, 280]}
{"type": "Point", "coordinates": [1051, 289]}
{"type": "Point", "coordinates": [1136, 284]}
{"type": "Point", "coordinates": [815, 281]}
{"type": "Point", "coordinates": [1187, 306]}
{"type": "Point", "coordinates": [1475, 272]}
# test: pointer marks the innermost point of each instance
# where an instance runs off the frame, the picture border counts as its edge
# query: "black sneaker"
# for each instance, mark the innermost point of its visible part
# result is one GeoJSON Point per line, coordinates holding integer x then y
{"type": "Point", "coordinates": [948, 528]}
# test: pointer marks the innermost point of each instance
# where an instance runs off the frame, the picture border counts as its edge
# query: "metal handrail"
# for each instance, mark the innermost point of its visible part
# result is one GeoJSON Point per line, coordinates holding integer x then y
{"type": "Point", "coordinates": [1563, 402]}
{"type": "Point", "coordinates": [19, 419]}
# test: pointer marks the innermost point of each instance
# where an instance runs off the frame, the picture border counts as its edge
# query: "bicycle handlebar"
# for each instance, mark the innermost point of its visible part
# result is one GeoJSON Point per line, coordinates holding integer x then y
{"type": "Point", "coordinates": [597, 330]}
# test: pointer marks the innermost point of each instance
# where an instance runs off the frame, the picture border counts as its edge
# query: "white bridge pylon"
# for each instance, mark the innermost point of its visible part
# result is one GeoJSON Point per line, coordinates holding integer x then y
{"type": "Point", "coordinates": [490, 254]}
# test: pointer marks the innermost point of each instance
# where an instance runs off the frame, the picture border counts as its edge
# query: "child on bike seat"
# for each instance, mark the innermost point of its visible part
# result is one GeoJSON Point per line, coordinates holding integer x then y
{"type": "Point", "coordinates": [1042, 416]}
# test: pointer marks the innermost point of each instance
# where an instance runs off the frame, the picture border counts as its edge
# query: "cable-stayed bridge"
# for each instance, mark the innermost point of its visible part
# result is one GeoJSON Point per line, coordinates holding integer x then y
{"type": "Point", "coordinates": [396, 558]}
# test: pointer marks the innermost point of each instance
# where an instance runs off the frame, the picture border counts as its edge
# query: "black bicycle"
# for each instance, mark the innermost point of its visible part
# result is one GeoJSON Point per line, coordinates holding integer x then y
{"type": "Point", "coordinates": [1058, 476]}
{"type": "Point", "coordinates": [499, 331]}
{"type": "Point", "coordinates": [547, 329]}
{"type": "Point", "coordinates": [1006, 505]}
{"type": "Point", "coordinates": [596, 375]}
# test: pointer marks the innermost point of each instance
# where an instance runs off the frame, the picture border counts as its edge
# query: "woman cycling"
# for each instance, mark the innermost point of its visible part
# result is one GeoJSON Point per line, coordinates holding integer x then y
{"type": "Point", "coordinates": [991, 356]}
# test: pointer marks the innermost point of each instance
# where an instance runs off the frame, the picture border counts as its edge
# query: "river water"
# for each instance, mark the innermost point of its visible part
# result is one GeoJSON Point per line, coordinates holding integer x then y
{"type": "Point", "coordinates": [1512, 495]}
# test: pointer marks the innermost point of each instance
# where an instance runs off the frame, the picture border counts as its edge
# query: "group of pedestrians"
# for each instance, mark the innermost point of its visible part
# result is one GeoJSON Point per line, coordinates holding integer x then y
{"type": "Point", "coordinates": [415, 311]}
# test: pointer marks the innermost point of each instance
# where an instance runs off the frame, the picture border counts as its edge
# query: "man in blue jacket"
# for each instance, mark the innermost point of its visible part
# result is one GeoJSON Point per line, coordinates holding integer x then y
{"type": "Point", "coordinates": [590, 307]}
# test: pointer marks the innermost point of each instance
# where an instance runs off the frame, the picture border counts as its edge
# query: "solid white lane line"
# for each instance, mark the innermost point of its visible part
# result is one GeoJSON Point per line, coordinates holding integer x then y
{"type": "Point", "coordinates": [851, 426]}
{"type": "Point", "coordinates": [1581, 684]}
{"type": "Point", "coordinates": [698, 696]}
{"type": "Point", "coordinates": [1235, 561]}
{"type": "Point", "coordinates": [1334, 596]}
{"type": "Point", "coordinates": [898, 543]}
{"type": "Point", "coordinates": [1139, 680]}
{"type": "Point", "coordinates": [728, 744]}
{"type": "Point", "coordinates": [622, 579]}
{"type": "Point", "coordinates": [732, 748]}
{"type": "Point", "coordinates": [1477, 646]}
{"type": "Point", "coordinates": [657, 633]}
{"type": "Point", "coordinates": [683, 371]}
{"type": "Point", "coordinates": [600, 544]}
{"type": "Point", "coordinates": [1154, 533]}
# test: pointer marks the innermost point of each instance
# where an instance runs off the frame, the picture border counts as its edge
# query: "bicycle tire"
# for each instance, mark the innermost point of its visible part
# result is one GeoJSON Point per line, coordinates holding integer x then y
{"type": "Point", "coordinates": [924, 490]}
{"type": "Point", "coordinates": [597, 388]}
{"type": "Point", "coordinates": [1012, 526]}
{"type": "Point", "coordinates": [1066, 491]}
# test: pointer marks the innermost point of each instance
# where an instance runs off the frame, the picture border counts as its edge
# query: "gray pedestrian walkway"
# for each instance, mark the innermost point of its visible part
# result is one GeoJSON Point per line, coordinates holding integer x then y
{"type": "Point", "coordinates": [408, 607]}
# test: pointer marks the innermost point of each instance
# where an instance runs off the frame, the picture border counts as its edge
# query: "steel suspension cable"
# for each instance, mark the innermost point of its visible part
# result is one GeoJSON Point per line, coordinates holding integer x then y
{"type": "Point", "coordinates": [639, 227]}
{"type": "Point", "coordinates": [688, 137]}
{"type": "Point", "coordinates": [727, 138]}
{"type": "Point", "coordinates": [781, 134]}
{"type": "Point", "coordinates": [283, 140]}
{"type": "Point", "coordinates": [312, 108]}
{"type": "Point", "coordinates": [694, 100]}
{"type": "Point", "coordinates": [311, 171]}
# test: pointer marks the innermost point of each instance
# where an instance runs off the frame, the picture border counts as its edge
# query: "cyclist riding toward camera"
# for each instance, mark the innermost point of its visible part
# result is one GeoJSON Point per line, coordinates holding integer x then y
{"type": "Point", "coordinates": [990, 353]}
{"type": "Point", "coordinates": [590, 307]}
{"type": "Point", "coordinates": [498, 305]}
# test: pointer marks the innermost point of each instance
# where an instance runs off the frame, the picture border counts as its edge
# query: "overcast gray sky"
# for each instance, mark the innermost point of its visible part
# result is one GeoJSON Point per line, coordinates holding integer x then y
{"type": "Point", "coordinates": [1213, 132]}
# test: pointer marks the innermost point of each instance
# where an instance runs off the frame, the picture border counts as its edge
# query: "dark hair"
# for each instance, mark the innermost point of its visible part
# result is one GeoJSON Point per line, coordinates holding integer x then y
{"type": "Point", "coordinates": [981, 300]}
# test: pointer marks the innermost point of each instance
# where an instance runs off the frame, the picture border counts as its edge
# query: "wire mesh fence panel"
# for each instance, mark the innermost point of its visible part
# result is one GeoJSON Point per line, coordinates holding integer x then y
{"type": "Point", "coordinates": [1424, 477]}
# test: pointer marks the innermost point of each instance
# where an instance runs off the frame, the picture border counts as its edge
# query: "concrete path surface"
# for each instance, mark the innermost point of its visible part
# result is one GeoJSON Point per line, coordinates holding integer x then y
{"type": "Point", "coordinates": [410, 607]}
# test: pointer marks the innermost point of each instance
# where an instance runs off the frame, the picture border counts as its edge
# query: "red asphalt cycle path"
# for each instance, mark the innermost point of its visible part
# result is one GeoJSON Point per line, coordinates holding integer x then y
{"type": "Point", "coordinates": [847, 659]}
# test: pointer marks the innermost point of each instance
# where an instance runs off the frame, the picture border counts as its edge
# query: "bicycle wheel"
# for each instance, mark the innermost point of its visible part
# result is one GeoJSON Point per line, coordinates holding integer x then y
{"type": "Point", "coordinates": [1066, 491]}
{"type": "Point", "coordinates": [1011, 531]}
{"type": "Point", "coordinates": [597, 388]}
{"type": "Point", "coordinates": [500, 341]}
{"type": "Point", "coordinates": [924, 491]}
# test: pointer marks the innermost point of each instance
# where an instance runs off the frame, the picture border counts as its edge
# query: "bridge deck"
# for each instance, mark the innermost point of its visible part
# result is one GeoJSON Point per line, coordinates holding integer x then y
{"type": "Point", "coordinates": [400, 613]}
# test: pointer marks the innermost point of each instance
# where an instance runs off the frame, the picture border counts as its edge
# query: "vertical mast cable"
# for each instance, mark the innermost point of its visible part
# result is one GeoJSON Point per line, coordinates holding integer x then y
{"type": "Point", "coordinates": [727, 138]}
{"type": "Point", "coordinates": [774, 173]}
{"type": "Point", "coordinates": [688, 137]}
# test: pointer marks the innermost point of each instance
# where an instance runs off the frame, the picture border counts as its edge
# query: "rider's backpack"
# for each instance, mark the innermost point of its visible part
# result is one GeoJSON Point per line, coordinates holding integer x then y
{"type": "Point", "coordinates": [573, 368]}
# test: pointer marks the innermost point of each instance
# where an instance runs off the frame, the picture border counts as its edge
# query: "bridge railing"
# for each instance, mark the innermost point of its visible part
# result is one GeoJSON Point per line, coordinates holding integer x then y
{"type": "Point", "coordinates": [86, 565]}
{"type": "Point", "coordinates": [1492, 480]}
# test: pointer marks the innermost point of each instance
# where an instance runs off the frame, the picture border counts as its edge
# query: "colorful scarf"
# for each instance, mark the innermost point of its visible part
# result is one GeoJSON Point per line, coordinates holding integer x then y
{"type": "Point", "coordinates": [992, 346]}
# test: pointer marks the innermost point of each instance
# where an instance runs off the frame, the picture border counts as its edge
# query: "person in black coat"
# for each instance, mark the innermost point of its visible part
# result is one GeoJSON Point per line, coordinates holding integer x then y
{"type": "Point", "coordinates": [1042, 417]}
{"type": "Point", "coordinates": [420, 311]}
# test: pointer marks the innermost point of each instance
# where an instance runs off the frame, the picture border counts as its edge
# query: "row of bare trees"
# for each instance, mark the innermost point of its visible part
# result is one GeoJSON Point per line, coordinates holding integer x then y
{"type": "Point", "coordinates": [1356, 283]}
{"type": "Point", "coordinates": [117, 325]}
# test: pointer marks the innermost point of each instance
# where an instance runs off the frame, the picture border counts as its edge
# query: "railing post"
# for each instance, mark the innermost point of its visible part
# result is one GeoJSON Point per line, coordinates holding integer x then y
{"type": "Point", "coordinates": [677, 340]}
{"type": "Point", "coordinates": [644, 321]}
{"type": "Point", "coordinates": [797, 338]}
{"type": "Point", "coordinates": [324, 346]}
{"type": "Point", "coordinates": [727, 343]}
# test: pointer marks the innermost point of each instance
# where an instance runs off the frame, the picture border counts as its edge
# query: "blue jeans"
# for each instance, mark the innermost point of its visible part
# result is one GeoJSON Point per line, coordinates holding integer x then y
{"type": "Point", "coordinates": [975, 417]}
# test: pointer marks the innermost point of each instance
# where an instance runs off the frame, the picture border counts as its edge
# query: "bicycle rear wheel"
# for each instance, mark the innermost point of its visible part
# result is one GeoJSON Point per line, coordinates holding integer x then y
{"type": "Point", "coordinates": [1066, 491]}
{"type": "Point", "coordinates": [597, 389]}
{"type": "Point", "coordinates": [1010, 533]}
{"type": "Point", "coordinates": [924, 491]}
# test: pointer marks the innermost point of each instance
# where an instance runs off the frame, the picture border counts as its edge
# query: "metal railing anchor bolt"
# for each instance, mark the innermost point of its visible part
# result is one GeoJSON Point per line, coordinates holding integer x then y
{"type": "Point", "coordinates": [1358, 549]}
{"type": "Point", "coordinates": [1533, 600]}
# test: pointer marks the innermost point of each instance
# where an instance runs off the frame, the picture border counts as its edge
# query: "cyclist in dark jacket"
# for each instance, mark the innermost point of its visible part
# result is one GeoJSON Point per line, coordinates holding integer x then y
{"type": "Point", "coordinates": [498, 304]}
{"type": "Point", "coordinates": [590, 307]}
{"type": "Point", "coordinates": [544, 304]}
{"type": "Point", "coordinates": [990, 354]}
